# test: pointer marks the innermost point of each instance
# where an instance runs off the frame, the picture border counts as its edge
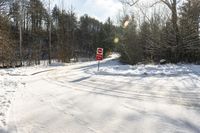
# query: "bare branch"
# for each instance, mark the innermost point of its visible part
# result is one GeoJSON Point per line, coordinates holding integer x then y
{"type": "Point", "coordinates": [166, 2]}
{"type": "Point", "coordinates": [3, 4]}
{"type": "Point", "coordinates": [129, 2]}
{"type": "Point", "coordinates": [157, 2]}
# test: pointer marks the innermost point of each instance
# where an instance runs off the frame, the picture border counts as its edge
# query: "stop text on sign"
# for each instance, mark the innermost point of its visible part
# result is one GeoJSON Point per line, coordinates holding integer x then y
{"type": "Point", "coordinates": [99, 55]}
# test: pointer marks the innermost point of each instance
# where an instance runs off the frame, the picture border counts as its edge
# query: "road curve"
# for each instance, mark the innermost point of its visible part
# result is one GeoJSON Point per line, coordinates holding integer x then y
{"type": "Point", "coordinates": [71, 100]}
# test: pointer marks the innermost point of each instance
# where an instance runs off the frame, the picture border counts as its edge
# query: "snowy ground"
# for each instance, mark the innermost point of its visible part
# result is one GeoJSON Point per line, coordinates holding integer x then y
{"type": "Point", "coordinates": [8, 88]}
{"type": "Point", "coordinates": [117, 99]}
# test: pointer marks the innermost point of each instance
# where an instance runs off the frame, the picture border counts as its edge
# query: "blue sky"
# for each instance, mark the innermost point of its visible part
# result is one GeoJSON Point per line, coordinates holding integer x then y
{"type": "Point", "coordinates": [99, 9]}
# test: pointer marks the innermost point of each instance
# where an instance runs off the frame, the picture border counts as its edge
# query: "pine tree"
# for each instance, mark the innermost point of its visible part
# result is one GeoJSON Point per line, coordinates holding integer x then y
{"type": "Point", "coordinates": [189, 26]}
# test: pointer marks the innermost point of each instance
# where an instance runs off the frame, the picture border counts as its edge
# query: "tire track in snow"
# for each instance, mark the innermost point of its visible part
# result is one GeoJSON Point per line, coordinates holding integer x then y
{"type": "Point", "coordinates": [54, 104]}
{"type": "Point", "coordinates": [112, 91]}
{"type": "Point", "coordinates": [97, 81]}
{"type": "Point", "coordinates": [135, 96]}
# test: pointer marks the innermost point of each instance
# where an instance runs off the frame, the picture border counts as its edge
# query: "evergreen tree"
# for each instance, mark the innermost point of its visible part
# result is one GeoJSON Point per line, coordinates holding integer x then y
{"type": "Point", "coordinates": [189, 26]}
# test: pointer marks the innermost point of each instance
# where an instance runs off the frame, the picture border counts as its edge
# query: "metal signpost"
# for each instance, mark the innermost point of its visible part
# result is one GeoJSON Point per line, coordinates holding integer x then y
{"type": "Point", "coordinates": [99, 56]}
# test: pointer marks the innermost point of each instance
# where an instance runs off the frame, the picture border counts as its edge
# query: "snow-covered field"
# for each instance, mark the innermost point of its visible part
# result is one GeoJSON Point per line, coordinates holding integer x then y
{"type": "Point", "coordinates": [117, 99]}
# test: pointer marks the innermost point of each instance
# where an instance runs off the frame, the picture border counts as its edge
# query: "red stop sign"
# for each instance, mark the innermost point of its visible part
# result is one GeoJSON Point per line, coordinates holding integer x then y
{"type": "Point", "coordinates": [99, 55]}
{"type": "Point", "coordinates": [100, 51]}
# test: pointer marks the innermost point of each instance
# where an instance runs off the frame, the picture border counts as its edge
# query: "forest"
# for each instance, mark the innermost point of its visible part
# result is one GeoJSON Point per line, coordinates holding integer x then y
{"type": "Point", "coordinates": [170, 33]}
{"type": "Point", "coordinates": [30, 32]}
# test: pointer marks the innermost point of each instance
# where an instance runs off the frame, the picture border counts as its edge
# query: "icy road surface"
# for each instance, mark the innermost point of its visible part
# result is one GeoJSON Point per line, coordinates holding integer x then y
{"type": "Point", "coordinates": [118, 99]}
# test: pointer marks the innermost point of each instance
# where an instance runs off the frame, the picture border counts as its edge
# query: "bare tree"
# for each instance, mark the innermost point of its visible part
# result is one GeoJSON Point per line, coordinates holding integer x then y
{"type": "Point", "coordinates": [172, 5]}
{"type": "Point", "coordinates": [20, 31]}
{"type": "Point", "coordinates": [50, 26]}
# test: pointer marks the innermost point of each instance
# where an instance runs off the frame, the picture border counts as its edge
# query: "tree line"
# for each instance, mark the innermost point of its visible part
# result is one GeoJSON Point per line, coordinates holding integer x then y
{"type": "Point", "coordinates": [30, 32]}
{"type": "Point", "coordinates": [49, 34]}
{"type": "Point", "coordinates": [174, 39]}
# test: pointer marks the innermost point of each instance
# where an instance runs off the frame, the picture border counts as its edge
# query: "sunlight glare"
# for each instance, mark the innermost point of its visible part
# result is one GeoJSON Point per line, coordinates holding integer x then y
{"type": "Point", "coordinates": [116, 40]}
{"type": "Point", "coordinates": [126, 23]}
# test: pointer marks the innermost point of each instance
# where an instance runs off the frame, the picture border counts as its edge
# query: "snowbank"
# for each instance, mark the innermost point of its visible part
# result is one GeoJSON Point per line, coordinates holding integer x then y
{"type": "Point", "coordinates": [116, 68]}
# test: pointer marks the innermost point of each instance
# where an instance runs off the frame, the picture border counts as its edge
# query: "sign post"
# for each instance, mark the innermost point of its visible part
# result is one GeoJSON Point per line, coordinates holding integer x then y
{"type": "Point", "coordinates": [98, 65]}
{"type": "Point", "coordinates": [99, 56]}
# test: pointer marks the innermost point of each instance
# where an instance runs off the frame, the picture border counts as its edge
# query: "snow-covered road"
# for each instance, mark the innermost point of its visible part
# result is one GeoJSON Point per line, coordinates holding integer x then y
{"type": "Point", "coordinates": [77, 99]}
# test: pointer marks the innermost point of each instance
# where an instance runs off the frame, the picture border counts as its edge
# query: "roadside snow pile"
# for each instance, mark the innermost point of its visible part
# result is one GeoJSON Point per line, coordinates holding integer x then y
{"type": "Point", "coordinates": [33, 70]}
{"type": "Point", "coordinates": [116, 68]}
{"type": "Point", "coordinates": [23, 71]}
{"type": "Point", "coordinates": [112, 66]}
{"type": "Point", "coordinates": [8, 87]}
{"type": "Point", "coordinates": [30, 70]}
